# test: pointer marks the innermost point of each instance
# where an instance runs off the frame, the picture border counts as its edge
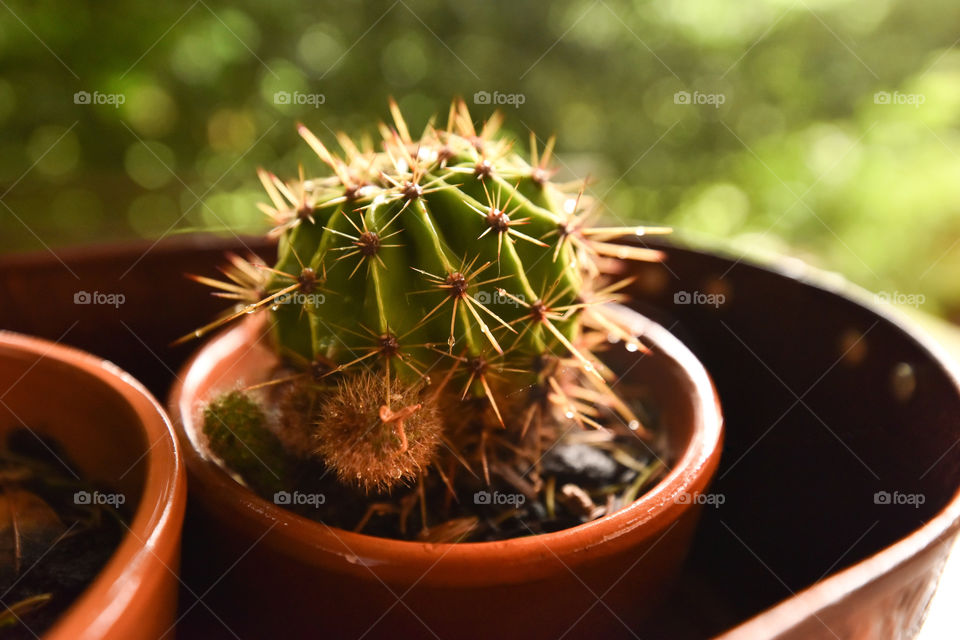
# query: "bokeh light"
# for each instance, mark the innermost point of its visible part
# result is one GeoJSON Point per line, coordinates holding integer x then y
{"type": "Point", "coordinates": [803, 155]}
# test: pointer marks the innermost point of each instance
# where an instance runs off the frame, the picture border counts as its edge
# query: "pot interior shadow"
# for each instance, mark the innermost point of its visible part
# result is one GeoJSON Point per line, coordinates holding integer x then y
{"type": "Point", "coordinates": [841, 429]}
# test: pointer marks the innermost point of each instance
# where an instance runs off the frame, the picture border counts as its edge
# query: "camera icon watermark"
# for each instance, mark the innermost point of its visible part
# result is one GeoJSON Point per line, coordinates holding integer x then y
{"type": "Point", "coordinates": [85, 97]}
{"type": "Point", "coordinates": [497, 98]}
{"type": "Point", "coordinates": [298, 98]}
{"type": "Point", "coordinates": [915, 300]}
{"type": "Point", "coordinates": [97, 498]}
{"type": "Point", "coordinates": [710, 499]}
{"type": "Point", "coordinates": [712, 99]}
{"type": "Point", "coordinates": [499, 498]}
{"type": "Point", "coordinates": [699, 298]}
{"type": "Point", "coordinates": [897, 498]}
{"type": "Point", "coordinates": [297, 498]}
{"type": "Point", "coordinates": [302, 299]}
{"type": "Point", "coordinates": [98, 298]}
{"type": "Point", "coordinates": [886, 97]}
{"type": "Point", "coordinates": [499, 297]}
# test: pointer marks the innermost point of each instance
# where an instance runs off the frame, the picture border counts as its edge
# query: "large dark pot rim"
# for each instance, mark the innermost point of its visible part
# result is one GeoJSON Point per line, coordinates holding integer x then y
{"type": "Point", "coordinates": [802, 606]}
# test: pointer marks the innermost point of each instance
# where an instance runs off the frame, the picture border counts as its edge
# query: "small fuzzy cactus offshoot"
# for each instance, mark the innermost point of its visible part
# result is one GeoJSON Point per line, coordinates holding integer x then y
{"type": "Point", "coordinates": [370, 444]}
{"type": "Point", "coordinates": [236, 431]}
{"type": "Point", "coordinates": [437, 290]}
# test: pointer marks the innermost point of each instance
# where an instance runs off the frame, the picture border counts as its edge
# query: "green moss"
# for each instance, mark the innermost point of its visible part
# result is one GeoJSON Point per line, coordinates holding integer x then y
{"type": "Point", "coordinates": [236, 430]}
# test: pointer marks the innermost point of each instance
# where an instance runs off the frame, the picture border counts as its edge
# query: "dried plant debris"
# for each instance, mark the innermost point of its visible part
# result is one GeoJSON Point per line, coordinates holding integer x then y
{"type": "Point", "coordinates": [56, 533]}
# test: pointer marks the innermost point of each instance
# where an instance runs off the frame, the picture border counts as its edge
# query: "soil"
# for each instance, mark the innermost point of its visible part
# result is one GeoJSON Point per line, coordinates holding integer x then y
{"type": "Point", "coordinates": [52, 545]}
{"type": "Point", "coordinates": [584, 476]}
{"type": "Point", "coordinates": [484, 513]}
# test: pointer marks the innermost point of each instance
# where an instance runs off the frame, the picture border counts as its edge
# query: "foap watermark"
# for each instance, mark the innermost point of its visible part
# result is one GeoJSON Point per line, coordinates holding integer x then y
{"type": "Point", "coordinates": [498, 497]}
{"type": "Point", "coordinates": [699, 297]}
{"type": "Point", "coordinates": [912, 499]}
{"type": "Point", "coordinates": [499, 297]}
{"type": "Point", "coordinates": [300, 298]}
{"type": "Point", "coordinates": [915, 300]}
{"type": "Point", "coordinates": [297, 498]}
{"type": "Point", "coordinates": [711, 499]}
{"type": "Point", "coordinates": [97, 297]}
{"type": "Point", "coordinates": [712, 99]}
{"type": "Point", "coordinates": [113, 99]}
{"type": "Point", "coordinates": [299, 98]}
{"type": "Point", "coordinates": [99, 498]}
{"type": "Point", "coordinates": [885, 97]}
{"type": "Point", "coordinates": [513, 99]}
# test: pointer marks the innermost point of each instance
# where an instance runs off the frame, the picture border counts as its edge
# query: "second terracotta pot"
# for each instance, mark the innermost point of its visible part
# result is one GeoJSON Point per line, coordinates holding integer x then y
{"type": "Point", "coordinates": [273, 573]}
{"type": "Point", "coordinates": [116, 437]}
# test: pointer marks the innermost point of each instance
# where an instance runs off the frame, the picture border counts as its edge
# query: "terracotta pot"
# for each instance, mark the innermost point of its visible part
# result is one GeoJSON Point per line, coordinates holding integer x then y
{"type": "Point", "coordinates": [119, 439]}
{"type": "Point", "coordinates": [302, 578]}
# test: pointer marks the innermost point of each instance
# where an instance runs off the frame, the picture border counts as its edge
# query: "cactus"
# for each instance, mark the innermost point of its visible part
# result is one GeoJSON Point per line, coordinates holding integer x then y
{"type": "Point", "coordinates": [438, 291]}
{"type": "Point", "coordinates": [235, 427]}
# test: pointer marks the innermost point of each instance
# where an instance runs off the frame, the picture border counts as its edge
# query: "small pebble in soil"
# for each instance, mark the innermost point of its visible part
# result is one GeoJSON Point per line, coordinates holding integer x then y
{"type": "Point", "coordinates": [583, 462]}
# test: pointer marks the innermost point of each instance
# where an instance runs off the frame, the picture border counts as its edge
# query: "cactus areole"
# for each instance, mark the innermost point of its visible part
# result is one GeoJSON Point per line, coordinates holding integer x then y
{"type": "Point", "coordinates": [439, 304]}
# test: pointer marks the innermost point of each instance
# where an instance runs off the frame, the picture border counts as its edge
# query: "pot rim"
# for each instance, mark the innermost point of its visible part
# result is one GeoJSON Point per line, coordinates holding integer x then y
{"type": "Point", "coordinates": [159, 514]}
{"type": "Point", "coordinates": [804, 604]}
{"type": "Point", "coordinates": [596, 538]}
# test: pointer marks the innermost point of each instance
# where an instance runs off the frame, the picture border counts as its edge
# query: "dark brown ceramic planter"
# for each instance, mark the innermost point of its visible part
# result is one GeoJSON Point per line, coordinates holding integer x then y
{"type": "Point", "coordinates": [299, 578]}
{"type": "Point", "coordinates": [118, 437]}
{"type": "Point", "coordinates": [799, 507]}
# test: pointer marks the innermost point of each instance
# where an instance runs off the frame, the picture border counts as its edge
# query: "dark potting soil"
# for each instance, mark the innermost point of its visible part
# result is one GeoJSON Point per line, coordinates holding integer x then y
{"type": "Point", "coordinates": [56, 534]}
{"type": "Point", "coordinates": [584, 475]}
{"type": "Point", "coordinates": [485, 513]}
{"type": "Point", "coordinates": [584, 478]}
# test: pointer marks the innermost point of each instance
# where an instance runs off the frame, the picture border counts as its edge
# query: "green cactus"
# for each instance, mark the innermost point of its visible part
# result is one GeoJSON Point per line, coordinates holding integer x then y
{"type": "Point", "coordinates": [236, 430]}
{"type": "Point", "coordinates": [447, 265]}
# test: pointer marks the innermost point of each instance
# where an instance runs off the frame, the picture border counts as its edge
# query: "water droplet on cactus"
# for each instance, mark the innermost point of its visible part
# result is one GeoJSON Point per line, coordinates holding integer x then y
{"type": "Point", "coordinates": [275, 307]}
{"type": "Point", "coordinates": [569, 414]}
{"type": "Point", "coordinates": [632, 347]}
{"type": "Point", "coordinates": [250, 308]}
{"type": "Point", "coordinates": [640, 231]}
{"type": "Point", "coordinates": [633, 425]}
{"type": "Point", "coordinates": [570, 205]}
{"type": "Point", "coordinates": [451, 341]}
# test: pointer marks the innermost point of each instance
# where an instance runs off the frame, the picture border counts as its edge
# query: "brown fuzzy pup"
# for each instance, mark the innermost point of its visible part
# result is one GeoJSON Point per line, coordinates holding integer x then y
{"type": "Point", "coordinates": [373, 443]}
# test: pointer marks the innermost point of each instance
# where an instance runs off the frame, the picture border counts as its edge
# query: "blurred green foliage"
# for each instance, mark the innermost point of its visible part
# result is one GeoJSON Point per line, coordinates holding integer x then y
{"type": "Point", "coordinates": [802, 156]}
